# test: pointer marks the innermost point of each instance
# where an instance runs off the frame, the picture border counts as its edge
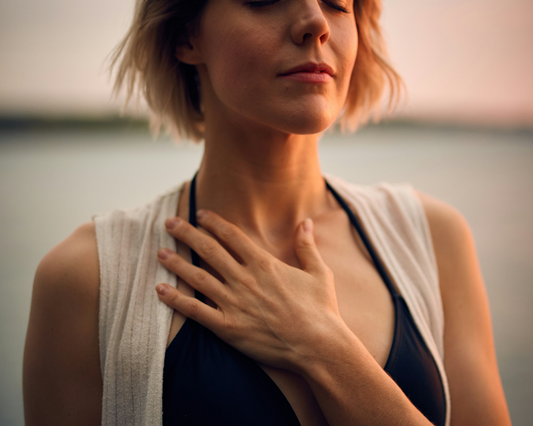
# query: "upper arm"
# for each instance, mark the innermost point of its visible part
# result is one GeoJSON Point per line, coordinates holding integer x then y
{"type": "Point", "coordinates": [61, 378]}
{"type": "Point", "coordinates": [469, 356]}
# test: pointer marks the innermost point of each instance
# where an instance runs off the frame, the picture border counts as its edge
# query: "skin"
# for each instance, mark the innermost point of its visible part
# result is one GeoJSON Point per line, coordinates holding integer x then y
{"type": "Point", "coordinates": [314, 299]}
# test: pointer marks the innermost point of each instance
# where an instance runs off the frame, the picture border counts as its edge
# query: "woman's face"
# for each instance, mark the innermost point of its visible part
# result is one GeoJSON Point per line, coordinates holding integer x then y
{"type": "Point", "coordinates": [246, 46]}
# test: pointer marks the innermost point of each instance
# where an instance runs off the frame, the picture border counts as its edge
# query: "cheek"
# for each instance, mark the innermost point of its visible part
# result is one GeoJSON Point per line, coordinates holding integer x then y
{"type": "Point", "coordinates": [239, 61]}
{"type": "Point", "coordinates": [346, 49]}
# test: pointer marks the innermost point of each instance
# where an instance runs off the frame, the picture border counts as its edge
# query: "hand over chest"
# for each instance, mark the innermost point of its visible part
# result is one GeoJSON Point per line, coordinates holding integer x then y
{"type": "Point", "coordinates": [365, 305]}
{"type": "Point", "coordinates": [363, 299]}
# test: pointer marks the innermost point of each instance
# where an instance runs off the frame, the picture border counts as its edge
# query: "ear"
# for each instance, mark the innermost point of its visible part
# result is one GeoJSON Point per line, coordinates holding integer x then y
{"type": "Point", "coordinates": [189, 53]}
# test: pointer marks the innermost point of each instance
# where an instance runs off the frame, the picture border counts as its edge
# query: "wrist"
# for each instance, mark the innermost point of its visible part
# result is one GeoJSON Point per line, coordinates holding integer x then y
{"type": "Point", "coordinates": [329, 343]}
{"type": "Point", "coordinates": [339, 368]}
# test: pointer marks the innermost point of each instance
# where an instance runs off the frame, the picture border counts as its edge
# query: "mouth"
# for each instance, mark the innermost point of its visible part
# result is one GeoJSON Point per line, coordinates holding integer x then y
{"type": "Point", "coordinates": [311, 67]}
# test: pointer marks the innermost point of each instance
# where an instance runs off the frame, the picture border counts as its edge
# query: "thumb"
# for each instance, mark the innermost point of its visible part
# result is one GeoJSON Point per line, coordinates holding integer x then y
{"type": "Point", "coordinates": [306, 249]}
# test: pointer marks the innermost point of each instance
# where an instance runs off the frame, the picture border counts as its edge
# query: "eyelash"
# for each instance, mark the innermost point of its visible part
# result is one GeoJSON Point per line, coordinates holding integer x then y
{"type": "Point", "coordinates": [254, 4]}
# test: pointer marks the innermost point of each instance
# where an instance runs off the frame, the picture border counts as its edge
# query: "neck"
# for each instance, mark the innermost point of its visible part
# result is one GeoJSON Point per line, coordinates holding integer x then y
{"type": "Point", "coordinates": [266, 184]}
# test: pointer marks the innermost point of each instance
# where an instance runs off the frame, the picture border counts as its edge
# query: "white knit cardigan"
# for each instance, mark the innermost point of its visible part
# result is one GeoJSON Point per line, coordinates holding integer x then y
{"type": "Point", "coordinates": [134, 325]}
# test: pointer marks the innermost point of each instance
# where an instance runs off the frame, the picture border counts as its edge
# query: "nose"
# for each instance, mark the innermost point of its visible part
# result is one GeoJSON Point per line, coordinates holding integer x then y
{"type": "Point", "coordinates": [310, 24]}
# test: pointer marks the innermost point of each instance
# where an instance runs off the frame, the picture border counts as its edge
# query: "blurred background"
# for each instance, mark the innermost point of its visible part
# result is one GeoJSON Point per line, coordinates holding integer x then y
{"type": "Point", "coordinates": [464, 134]}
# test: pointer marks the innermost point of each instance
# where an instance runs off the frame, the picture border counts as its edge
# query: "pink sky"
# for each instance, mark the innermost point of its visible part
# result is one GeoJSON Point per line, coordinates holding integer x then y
{"type": "Point", "coordinates": [464, 59]}
{"type": "Point", "coordinates": [469, 60]}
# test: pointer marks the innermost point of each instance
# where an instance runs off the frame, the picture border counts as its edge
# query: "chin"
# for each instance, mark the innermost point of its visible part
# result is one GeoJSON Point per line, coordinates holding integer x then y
{"type": "Point", "coordinates": [306, 124]}
{"type": "Point", "coordinates": [303, 119]}
{"type": "Point", "coordinates": [308, 129]}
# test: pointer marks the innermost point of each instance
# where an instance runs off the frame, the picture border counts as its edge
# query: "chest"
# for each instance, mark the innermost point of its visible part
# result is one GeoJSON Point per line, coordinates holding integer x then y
{"type": "Point", "coordinates": [363, 299]}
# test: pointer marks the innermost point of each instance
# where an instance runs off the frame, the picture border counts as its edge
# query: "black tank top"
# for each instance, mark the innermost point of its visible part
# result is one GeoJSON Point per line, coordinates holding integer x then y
{"type": "Point", "coordinates": [208, 382]}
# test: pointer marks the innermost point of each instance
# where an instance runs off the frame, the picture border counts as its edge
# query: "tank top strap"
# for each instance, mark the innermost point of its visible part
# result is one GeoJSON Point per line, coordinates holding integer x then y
{"type": "Point", "coordinates": [357, 225]}
{"type": "Point", "coordinates": [192, 220]}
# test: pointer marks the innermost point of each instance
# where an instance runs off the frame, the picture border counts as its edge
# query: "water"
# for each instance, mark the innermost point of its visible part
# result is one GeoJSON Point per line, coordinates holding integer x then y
{"type": "Point", "coordinates": [51, 182]}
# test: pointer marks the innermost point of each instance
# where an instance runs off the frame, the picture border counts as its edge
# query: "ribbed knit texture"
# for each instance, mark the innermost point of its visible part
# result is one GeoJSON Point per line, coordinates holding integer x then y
{"type": "Point", "coordinates": [134, 324]}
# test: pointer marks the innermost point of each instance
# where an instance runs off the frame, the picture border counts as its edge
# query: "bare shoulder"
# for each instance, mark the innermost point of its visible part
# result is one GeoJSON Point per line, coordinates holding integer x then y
{"type": "Point", "coordinates": [469, 353]}
{"type": "Point", "coordinates": [460, 277]}
{"type": "Point", "coordinates": [447, 224]}
{"type": "Point", "coordinates": [62, 382]}
{"type": "Point", "coordinates": [71, 268]}
{"type": "Point", "coordinates": [451, 235]}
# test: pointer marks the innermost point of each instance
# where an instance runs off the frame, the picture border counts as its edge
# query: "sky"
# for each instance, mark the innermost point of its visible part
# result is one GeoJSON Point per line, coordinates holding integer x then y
{"type": "Point", "coordinates": [462, 60]}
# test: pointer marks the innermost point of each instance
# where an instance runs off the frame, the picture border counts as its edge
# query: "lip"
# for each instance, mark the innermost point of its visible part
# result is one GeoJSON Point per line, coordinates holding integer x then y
{"type": "Point", "coordinates": [311, 67]}
{"type": "Point", "coordinates": [308, 77]}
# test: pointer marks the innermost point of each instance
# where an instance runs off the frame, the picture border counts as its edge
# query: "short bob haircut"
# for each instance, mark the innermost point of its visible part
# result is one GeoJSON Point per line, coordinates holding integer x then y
{"type": "Point", "coordinates": [147, 65]}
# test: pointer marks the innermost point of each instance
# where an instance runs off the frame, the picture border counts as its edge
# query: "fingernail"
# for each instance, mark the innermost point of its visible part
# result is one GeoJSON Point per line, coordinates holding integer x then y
{"type": "Point", "coordinates": [161, 289]}
{"type": "Point", "coordinates": [308, 226]}
{"type": "Point", "coordinates": [200, 214]}
{"type": "Point", "coordinates": [164, 253]}
{"type": "Point", "coordinates": [172, 222]}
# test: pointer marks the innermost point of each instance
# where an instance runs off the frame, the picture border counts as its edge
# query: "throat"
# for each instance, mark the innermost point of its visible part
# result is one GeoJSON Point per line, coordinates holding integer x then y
{"type": "Point", "coordinates": [268, 210]}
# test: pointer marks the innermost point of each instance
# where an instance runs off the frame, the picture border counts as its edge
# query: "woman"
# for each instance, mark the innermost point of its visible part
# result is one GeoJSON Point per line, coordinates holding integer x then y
{"type": "Point", "coordinates": [300, 300]}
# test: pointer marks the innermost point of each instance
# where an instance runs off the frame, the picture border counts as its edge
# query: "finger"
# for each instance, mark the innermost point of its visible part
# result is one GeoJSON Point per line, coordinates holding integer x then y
{"type": "Point", "coordinates": [231, 235]}
{"type": "Point", "coordinates": [206, 247]}
{"type": "Point", "coordinates": [191, 307]}
{"type": "Point", "coordinates": [197, 278]}
{"type": "Point", "coordinates": [306, 249]}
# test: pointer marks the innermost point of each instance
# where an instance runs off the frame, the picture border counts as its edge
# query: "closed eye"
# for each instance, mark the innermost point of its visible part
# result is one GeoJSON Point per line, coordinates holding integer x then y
{"type": "Point", "coordinates": [264, 3]}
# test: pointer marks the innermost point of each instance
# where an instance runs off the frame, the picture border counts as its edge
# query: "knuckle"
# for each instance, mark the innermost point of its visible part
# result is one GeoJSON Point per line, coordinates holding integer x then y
{"type": "Point", "coordinates": [173, 298]}
{"type": "Point", "coordinates": [328, 273]}
{"type": "Point", "coordinates": [248, 281]}
{"type": "Point", "coordinates": [199, 277]}
{"type": "Point", "coordinates": [228, 233]}
{"type": "Point", "coordinates": [191, 308]}
{"type": "Point", "coordinates": [180, 229]}
{"type": "Point", "coordinates": [265, 264]}
{"type": "Point", "coordinates": [306, 243]}
{"type": "Point", "coordinates": [230, 327]}
{"type": "Point", "coordinates": [175, 261]}
{"type": "Point", "coordinates": [207, 248]}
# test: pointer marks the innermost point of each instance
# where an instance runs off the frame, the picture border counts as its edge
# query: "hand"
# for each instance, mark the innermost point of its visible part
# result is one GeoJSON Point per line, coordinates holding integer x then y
{"type": "Point", "coordinates": [270, 311]}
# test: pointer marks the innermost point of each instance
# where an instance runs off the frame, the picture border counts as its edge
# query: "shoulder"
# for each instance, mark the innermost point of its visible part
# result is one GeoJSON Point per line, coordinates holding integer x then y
{"type": "Point", "coordinates": [62, 380]}
{"type": "Point", "coordinates": [445, 221]}
{"type": "Point", "coordinates": [66, 285]}
{"type": "Point", "coordinates": [71, 268]}
{"type": "Point", "coordinates": [454, 246]}
{"type": "Point", "coordinates": [464, 298]}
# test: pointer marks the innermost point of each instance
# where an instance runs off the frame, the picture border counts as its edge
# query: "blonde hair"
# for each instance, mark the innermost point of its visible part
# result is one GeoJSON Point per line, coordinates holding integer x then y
{"type": "Point", "coordinates": [147, 66]}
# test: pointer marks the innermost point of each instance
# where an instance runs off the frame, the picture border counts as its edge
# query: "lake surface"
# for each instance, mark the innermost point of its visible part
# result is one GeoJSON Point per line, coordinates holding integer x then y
{"type": "Point", "coordinates": [52, 181]}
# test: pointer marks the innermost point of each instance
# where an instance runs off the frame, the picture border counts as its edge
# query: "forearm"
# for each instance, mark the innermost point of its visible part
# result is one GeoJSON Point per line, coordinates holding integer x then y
{"type": "Point", "coordinates": [352, 388]}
